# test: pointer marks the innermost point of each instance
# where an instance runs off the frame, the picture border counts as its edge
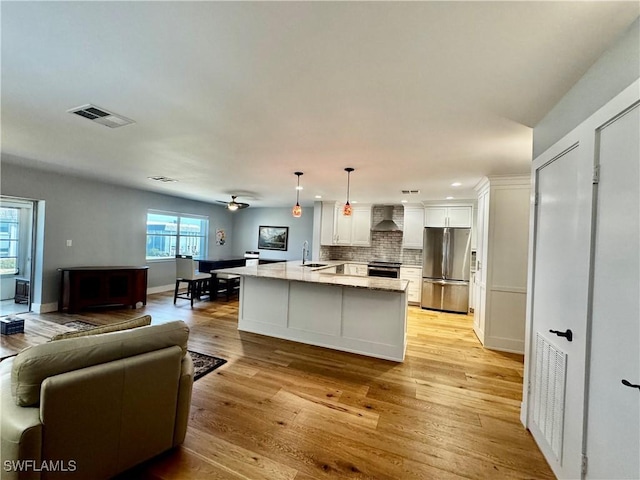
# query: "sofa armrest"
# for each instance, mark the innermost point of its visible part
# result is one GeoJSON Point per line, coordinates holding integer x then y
{"type": "Point", "coordinates": [184, 400]}
{"type": "Point", "coordinates": [20, 431]}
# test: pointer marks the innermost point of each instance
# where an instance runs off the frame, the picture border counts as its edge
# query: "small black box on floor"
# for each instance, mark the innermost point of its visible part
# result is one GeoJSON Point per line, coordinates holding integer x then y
{"type": "Point", "coordinates": [11, 325]}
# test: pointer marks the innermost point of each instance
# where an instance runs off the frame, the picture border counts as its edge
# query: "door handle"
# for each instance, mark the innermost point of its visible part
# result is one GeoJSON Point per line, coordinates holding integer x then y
{"type": "Point", "coordinates": [568, 334]}
{"type": "Point", "coordinates": [627, 383]}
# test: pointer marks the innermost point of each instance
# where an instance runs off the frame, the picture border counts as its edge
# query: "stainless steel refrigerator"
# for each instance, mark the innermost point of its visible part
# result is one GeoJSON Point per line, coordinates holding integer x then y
{"type": "Point", "coordinates": [445, 270]}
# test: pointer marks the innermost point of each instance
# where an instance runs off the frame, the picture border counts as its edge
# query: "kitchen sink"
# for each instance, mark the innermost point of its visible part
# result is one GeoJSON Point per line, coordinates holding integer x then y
{"type": "Point", "coordinates": [314, 265]}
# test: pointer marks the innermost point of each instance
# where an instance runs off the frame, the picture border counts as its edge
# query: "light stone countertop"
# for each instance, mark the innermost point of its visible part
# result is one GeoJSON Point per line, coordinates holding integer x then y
{"type": "Point", "coordinates": [294, 271]}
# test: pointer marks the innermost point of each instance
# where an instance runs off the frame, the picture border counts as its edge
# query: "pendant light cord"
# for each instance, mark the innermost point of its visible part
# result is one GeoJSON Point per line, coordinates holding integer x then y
{"type": "Point", "coordinates": [348, 170]}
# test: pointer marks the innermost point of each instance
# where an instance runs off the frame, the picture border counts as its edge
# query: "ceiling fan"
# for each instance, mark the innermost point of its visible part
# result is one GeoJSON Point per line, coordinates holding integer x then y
{"type": "Point", "coordinates": [233, 205]}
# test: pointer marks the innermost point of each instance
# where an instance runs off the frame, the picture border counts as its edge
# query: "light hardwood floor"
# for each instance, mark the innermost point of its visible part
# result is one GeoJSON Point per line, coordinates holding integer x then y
{"type": "Point", "coordinates": [283, 410]}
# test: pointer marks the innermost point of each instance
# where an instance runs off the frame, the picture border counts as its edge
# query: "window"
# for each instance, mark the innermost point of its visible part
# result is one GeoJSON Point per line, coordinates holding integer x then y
{"type": "Point", "coordinates": [169, 235]}
{"type": "Point", "coordinates": [9, 240]}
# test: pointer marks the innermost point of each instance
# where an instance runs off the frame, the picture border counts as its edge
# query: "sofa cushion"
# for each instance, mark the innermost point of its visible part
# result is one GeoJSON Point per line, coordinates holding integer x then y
{"type": "Point", "coordinates": [113, 327]}
{"type": "Point", "coordinates": [34, 364]}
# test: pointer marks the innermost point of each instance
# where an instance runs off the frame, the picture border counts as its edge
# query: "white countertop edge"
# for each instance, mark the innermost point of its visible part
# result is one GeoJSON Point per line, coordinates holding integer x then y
{"type": "Point", "coordinates": [294, 271]}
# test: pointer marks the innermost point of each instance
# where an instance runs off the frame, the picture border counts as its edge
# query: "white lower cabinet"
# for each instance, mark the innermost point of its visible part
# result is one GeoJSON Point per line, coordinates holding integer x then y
{"type": "Point", "coordinates": [414, 276]}
{"type": "Point", "coordinates": [356, 269]}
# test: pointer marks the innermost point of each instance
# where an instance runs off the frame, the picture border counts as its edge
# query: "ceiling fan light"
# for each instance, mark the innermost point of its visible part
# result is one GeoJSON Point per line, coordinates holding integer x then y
{"type": "Point", "coordinates": [233, 205]}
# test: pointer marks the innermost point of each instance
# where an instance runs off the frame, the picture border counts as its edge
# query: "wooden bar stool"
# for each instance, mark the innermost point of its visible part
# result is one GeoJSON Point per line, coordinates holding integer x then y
{"type": "Point", "coordinates": [226, 284]}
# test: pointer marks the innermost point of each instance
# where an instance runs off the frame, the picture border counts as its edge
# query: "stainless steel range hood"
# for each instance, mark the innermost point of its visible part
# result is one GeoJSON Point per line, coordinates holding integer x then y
{"type": "Point", "coordinates": [387, 224]}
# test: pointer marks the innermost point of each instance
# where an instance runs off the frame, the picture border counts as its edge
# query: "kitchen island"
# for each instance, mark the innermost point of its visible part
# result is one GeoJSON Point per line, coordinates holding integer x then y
{"type": "Point", "coordinates": [314, 305]}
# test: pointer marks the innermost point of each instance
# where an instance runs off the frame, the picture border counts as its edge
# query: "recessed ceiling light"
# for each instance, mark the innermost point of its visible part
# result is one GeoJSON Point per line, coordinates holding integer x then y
{"type": "Point", "coordinates": [300, 187]}
{"type": "Point", "coordinates": [318, 196]}
{"type": "Point", "coordinates": [403, 201]}
{"type": "Point", "coordinates": [456, 184]}
{"type": "Point", "coordinates": [449, 198]}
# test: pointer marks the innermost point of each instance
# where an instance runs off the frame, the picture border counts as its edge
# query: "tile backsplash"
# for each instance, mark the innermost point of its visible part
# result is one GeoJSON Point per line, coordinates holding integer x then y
{"type": "Point", "coordinates": [385, 246]}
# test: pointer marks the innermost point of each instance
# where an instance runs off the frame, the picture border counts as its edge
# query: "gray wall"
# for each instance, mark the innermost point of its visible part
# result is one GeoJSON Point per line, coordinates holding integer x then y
{"type": "Point", "coordinates": [618, 68]}
{"type": "Point", "coordinates": [106, 223]}
{"type": "Point", "coordinates": [245, 230]}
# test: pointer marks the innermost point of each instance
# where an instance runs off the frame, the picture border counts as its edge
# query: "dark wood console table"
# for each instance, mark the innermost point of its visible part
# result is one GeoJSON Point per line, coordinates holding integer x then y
{"type": "Point", "coordinates": [82, 287]}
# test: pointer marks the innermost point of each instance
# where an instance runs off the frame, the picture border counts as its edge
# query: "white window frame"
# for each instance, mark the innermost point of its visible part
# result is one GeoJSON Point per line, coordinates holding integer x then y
{"type": "Point", "coordinates": [179, 217]}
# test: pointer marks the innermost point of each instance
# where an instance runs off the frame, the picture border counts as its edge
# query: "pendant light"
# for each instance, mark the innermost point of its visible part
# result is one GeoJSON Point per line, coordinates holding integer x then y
{"type": "Point", "coordinates": [297, 209]}
{"type": "Point", "coordinates": [346, 210]}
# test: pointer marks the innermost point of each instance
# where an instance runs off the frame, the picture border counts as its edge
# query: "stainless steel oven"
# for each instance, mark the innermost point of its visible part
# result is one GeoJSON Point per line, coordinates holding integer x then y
{"type": "Point", "coordinates": [383, 269]}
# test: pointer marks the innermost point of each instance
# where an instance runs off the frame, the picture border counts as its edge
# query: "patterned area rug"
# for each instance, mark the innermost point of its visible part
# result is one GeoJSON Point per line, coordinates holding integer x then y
{"type": "Point", "coordinates": [80, 325]}
{"type": "Point", "coordinates": [202, 364]}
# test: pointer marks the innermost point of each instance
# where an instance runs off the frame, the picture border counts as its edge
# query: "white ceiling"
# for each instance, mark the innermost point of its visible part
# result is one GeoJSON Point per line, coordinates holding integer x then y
{"type": "Point", "coordinates": [233, 97]}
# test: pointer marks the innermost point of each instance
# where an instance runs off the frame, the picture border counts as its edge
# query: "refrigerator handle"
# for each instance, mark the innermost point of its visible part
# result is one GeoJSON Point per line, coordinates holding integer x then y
{"type": "Point", "coordinates": [445, 250]}
{"type": "Point", "coordinates": [443, 265]}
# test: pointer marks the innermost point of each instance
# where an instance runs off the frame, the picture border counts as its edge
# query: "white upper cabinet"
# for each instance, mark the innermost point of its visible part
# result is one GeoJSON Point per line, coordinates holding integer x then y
{"type": "Point", "coordinates": [435, 217]}
{"type": "Point", "coordinates": [343, 229]}
{"type": "Point", "coordinates": [413, 229]}
{"type": "Point", "coordinates": [448, 216]}
{"type": "Point", "coordinates": [361, 225]}
{"type": "Point", "coordinates": [460, 216]}
{"type": "Point", "coordinates": [336, 229]}
{"type": "Point", "coordinates": [328, 223]}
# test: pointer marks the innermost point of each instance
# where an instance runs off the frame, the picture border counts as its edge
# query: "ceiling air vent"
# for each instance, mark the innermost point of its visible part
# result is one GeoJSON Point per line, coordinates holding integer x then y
{"type": "Point", "coordinates": [161, 178]}
{"type": "Point", "coordinates": [101, 116]}
{"type": "Point", "coordinates": [410, 192]}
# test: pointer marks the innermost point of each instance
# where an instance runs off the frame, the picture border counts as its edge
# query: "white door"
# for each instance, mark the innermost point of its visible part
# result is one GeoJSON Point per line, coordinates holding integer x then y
{"type": "Point", "coordinates": [16, 254]}
{"type": "Point", "coordinates": [613, 428]}
{"type": "Point", "coordinates": [559, 303]}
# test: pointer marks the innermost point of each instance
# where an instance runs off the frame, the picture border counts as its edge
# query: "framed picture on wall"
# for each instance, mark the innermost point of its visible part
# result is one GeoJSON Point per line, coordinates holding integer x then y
{"type": "Point", "coordinates": [273, 238]}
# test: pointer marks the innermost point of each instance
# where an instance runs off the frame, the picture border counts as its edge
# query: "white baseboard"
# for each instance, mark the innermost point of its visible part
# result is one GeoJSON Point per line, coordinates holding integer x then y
{"type": "Point", "coordinates": [44, 307]}
{"type": "Point", "coordinates": [508, 345]}
{"type": "Point", "coordinates": [161, 288]}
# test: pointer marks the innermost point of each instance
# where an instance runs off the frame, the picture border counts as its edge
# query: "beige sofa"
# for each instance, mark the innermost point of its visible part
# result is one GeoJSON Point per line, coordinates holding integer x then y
{"type": "Point", "coordinates": [93, 406]}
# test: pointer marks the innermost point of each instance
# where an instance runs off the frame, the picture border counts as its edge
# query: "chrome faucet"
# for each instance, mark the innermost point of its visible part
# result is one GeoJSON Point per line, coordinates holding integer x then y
{"type": "Point", "coordinates": [305, 251]}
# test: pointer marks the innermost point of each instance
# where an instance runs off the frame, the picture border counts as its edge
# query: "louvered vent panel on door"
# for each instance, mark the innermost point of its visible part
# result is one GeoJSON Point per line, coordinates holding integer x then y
{"type": "Point", "coordinates": [549, 392]}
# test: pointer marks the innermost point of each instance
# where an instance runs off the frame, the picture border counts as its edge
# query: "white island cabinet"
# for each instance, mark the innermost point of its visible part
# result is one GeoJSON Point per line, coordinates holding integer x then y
{"type": "Point", "coordinates": [364, 315]}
